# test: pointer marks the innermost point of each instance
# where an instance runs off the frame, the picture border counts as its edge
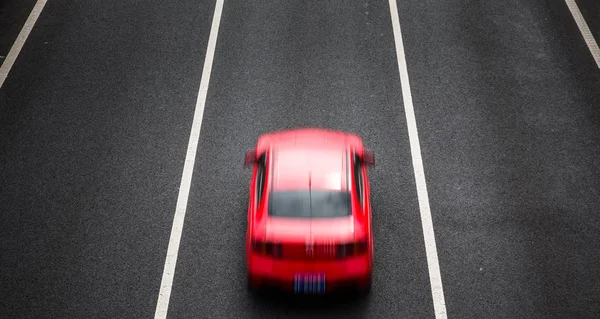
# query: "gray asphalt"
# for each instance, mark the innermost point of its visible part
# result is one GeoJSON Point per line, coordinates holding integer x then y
{"type": "Point", "coordinates": [508, 102]}
{"type": "Point", "coordinates": [13, 14]}
{"type": "Point", "coordinates": [94, 123]}
{"type": "Point", "coordinates": [590, 10]}
{"type": "Point", "coordinates": [96, 113]}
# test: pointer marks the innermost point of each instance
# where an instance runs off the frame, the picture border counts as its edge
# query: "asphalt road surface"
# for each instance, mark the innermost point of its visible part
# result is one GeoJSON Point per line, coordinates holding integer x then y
{"type": "Point", "coordinates": [96, 113]}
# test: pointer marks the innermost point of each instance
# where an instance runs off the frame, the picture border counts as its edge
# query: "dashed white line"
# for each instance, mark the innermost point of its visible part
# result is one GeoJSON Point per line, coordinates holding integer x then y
{"type": "Point", "coordinates": [585, 30]}
{"type": "Point", "coordinates": [435, 277]}
{"type": "Point", "coordinates": [20, 41]}
{"type": "Point", "coordinates": [166, 284]}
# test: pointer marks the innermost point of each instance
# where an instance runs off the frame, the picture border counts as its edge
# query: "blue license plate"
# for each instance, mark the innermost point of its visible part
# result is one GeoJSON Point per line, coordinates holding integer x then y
{"type": "Point", "coordinates": [309, 283]}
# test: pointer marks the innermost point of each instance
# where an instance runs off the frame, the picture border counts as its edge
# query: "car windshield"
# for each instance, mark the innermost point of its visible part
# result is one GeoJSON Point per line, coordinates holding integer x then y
{"type": "Point", "coordinates": [309, 204]}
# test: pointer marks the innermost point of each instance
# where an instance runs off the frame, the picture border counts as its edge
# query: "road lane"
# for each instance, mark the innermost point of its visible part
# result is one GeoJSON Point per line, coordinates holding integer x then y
{"type": "Point", "coordinates": [506, 97]}
{"type": "Point", "coordinates": [15, 50]}
{"type": "Point", "coordinates": [94, 120]}
{"type": "Point", "coordinates": [96, 114]}
{"type": "Point", "coordinates": [586, 34]}
{"type": "Point", "coordinates": [300, 63]}
{"type": "Point", "coordinates": [13, 14]}
{"type": "Point", "coordinates": [166, 284]}
{"type": "Point", "coordinates": [435, 279]}
{"type": "Point", "coordinates": [590, 10]}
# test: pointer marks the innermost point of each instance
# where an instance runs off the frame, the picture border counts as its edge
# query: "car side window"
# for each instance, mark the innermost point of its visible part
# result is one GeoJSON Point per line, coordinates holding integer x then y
{"type": "Point", "coordinates": [358, 179]}
{"type": "Point", "coordinates": [260, 178]}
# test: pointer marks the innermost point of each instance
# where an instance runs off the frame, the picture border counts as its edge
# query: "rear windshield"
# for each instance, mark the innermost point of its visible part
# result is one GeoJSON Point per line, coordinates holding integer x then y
{"type": "Point", "coordinates": [309, 204]}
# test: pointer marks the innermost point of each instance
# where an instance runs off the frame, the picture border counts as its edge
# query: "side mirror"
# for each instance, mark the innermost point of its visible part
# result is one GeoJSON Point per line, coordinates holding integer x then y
{"type": "Point", "coordinates": [250, 158]}
{"type": "Point", "coordinates": [369, 158]}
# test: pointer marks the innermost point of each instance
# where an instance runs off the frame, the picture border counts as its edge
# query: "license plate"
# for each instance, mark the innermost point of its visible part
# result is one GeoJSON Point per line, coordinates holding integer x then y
{"type": "Point", "coordinates": [309, 283]}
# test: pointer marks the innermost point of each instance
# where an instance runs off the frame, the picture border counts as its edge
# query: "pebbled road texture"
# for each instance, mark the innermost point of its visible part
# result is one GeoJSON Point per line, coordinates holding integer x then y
{"type": "Point", "coordinates": [590, 10]}
{"type": "Point", "coordinates": [94, 123]}
{"type": "Point", "coordinates": [507, 98]}
{"type": "Point", "coordinates": [95, 118]}
{"type": "Point", "coordinates": [300, 63]}
{"type": "Point", "coordinates": [13, 14]}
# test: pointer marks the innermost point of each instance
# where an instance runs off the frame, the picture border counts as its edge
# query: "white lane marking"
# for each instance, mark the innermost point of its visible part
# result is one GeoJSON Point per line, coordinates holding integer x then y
{"type": "Point", "coordinates": [435, 277]}
{"type": "Point", "coordinates": [585, 30]}
{"type": "Point", "coordinates": [20, 41]}
{"type": "Point", "coordinates": [166, 284]}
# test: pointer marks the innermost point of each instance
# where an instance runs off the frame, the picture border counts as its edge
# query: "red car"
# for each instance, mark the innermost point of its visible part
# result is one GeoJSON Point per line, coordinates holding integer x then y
{"type": "Point", "coordinates": [309, 213]}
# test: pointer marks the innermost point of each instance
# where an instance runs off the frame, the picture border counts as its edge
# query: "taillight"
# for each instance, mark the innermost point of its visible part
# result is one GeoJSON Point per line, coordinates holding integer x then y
{"type": "Point", "coordinates": [266, 248]}
{"type": "Point", "coordinates": [351, 249]}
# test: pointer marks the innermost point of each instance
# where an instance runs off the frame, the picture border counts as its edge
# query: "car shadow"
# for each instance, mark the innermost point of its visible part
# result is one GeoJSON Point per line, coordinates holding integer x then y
{"type": "Point", "coordinates": [340, 303]}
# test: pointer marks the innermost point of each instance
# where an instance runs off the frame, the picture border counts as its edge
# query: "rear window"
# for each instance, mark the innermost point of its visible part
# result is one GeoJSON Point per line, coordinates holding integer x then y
{"type": "Point", "coordinates": [309, 204]}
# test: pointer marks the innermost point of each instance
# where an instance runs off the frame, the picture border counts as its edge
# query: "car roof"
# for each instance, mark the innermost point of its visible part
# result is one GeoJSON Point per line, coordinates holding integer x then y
{"type": "Point", "coordinates": [309, 158]}
{"type": "Point", "coordinates": [306, 167]}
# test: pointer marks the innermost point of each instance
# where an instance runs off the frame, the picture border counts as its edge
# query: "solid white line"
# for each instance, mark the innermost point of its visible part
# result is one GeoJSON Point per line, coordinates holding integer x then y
{"type": "Point", "coordinates": [585, 31]}
{"type": "Point", "coordinates": [166, 284]}
{"type": "Point", "coordinates": [435, 277]}
{"type": "Point", "coordinates": [20, 41]}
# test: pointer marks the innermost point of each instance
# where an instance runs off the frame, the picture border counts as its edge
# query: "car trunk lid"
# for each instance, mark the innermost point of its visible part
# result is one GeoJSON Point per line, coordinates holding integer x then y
{"type": "Point", "coordinates": [310, 238]}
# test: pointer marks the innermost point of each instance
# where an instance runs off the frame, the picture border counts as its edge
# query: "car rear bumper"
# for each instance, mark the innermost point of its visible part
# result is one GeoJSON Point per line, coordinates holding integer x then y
{"type": "Point", "coordinates": [351, 272]}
